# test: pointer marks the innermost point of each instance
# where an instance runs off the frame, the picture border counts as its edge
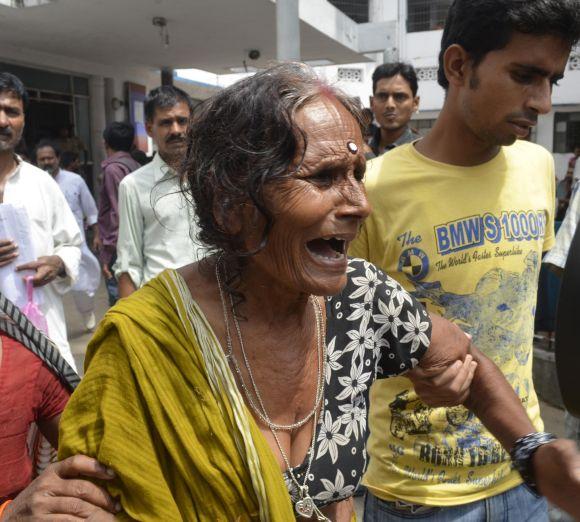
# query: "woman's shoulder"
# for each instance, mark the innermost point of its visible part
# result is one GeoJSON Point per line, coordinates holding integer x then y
{"type": "Point", "coordinates": [372, 289]}
{"type": "Point", "coordinates": [365, 278]}
{"type": "Point", "coordinates": [157, 297]}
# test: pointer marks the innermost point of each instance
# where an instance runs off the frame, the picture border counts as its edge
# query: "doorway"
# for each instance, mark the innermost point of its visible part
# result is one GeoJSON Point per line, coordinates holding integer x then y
{"type": "Point", "coordinates": [44, 119]}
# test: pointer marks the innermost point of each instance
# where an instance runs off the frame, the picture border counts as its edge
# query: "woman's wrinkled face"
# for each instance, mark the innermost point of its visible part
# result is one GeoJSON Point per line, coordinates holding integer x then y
{"type": "Point", "coordinates": [318, 210]}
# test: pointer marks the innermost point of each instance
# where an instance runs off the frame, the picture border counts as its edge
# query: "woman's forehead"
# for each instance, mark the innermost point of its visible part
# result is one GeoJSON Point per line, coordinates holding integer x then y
{"type": "Point", "coordinates": [327, 123]}
{"type": "Point", "coordinates": [326, 112]}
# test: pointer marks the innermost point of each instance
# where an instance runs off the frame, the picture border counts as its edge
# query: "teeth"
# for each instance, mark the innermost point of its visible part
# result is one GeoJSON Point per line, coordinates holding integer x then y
{"type": "Point", "coordinates": [336, 255]}
{"type": "Point", "coordinates": [335, 248]}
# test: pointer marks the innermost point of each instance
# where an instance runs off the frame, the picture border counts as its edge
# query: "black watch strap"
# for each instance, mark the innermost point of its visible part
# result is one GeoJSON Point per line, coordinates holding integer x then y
{"type": "Point", "coordinates": [522, 452]}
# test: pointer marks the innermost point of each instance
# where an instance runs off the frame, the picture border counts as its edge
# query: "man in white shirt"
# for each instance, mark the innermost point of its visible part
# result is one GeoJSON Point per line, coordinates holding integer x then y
{"type": "Point", "coordinates": [84, 209]}
{"type": "Point", "coordinates": [156, 227]}
{"type": "Point", "coordinates": [55, 235]}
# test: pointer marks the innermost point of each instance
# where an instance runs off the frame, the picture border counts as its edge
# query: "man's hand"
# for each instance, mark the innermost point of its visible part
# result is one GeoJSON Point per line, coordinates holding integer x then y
{"type": "Point", "coordinates": [557, 474]}
{"type": "Point", "coordinates": [97, 243]}
{"type": "Point", "coordinates": [47, 269]}
{"type": "Point", "coordinates": [126, 285]}
{"type": "Point", "coordinates": [444, 386]}
{"type": "Point", "coordinates": [8, 251]}
{"type": "Point", "coordinates": [106, 272]}
{"type": "Point", "coordinates": [60, 493]}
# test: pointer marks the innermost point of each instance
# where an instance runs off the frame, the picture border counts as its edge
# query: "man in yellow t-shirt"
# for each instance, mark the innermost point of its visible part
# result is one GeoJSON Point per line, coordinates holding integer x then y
{"type": "Point", "coordinates": [461, 219]}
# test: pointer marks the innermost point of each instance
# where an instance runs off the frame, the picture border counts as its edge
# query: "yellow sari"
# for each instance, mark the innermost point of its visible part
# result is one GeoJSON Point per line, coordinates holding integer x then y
{"type": "Point", "coordinates": [160, 406]}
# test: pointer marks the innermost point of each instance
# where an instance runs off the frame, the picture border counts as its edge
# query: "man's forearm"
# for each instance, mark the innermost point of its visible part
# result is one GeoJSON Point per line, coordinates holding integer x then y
{"type": "Point", "coordinates": [496, 404]}
{"type": "Point", "coordinates": [126, 285]}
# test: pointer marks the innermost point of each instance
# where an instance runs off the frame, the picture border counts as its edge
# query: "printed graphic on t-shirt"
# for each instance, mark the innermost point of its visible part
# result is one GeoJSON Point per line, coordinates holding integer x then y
{"type": "Point", "coordinates": [472, 231]}
{"type": "Point", "coordinates": [498, 314]}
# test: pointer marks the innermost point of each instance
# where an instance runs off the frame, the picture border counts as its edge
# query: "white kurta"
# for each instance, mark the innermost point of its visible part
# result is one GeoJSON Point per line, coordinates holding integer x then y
{"type": "Point", "coordinates": [83, 207]}
{"type": "Point", "coordinates": [156, 224]}
{"type": "Point", "coordinates": [559, 253]}
{"type": "Point", "coordinates": [54, 232]}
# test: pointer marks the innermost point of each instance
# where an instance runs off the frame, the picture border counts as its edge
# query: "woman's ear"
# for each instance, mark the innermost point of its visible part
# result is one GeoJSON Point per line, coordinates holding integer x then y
{"type": "Point", "coordinates": [227, 216]}
{"type": "Point", "coordinates": [240, 220]}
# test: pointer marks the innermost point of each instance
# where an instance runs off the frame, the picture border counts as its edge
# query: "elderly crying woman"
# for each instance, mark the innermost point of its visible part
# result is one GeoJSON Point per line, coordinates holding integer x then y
{"type": "Point", "coordinates": [237, 388]}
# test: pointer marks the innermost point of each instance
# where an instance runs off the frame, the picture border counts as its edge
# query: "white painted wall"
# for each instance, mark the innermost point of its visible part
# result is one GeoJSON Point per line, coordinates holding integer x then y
{"type": "Point", "coordinates": [422, 49]}
{"type": "Point", "coordinates": [568, 90]}
{"type": "Point", "coordinates": [383, 10]}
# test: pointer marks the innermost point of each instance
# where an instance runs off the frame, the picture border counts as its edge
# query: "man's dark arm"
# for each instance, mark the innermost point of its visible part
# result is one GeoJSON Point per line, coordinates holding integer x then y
{"type": "Point", "coordinates": [490, 395]}
{"type": "Point", "coordinates": [556, 465]}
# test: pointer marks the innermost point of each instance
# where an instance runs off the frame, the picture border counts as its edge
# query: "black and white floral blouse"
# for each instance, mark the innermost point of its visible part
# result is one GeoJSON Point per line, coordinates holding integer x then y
{"type": "Point", "coordinates": [374, 330]}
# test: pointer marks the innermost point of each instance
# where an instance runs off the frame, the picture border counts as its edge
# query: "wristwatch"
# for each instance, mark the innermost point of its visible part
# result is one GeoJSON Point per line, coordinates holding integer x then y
{"type": "Point", "coordinates": [523, 451]}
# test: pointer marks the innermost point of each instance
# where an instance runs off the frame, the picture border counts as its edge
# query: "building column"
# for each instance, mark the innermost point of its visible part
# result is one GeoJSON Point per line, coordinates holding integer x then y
{"type": "Point", "coordinates": [402, 16]}
{"type": "Point", "coordinates": [388, 11]}
{"type": "Point", "coordinates": [98, 123]}
{"type": "Point", "coordinates": [287, 30]}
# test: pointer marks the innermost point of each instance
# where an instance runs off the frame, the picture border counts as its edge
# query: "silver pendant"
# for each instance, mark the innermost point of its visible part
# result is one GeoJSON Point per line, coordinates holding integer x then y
{"type": "Point", "coordinates": [305, 506]}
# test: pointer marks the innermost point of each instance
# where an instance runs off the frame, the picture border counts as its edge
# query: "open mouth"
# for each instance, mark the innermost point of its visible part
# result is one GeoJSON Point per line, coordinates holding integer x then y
{"type": "Point", "coordinates": [332, 248]}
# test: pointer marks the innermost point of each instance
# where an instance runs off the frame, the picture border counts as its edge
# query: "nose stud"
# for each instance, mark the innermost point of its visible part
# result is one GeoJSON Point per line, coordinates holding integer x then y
{"type": "Point", "coordinates": [352, 147]}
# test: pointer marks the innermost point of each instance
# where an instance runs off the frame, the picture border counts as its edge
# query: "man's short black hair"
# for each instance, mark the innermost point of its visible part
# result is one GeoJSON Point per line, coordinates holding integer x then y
{"type": "Point", "coordinates": [47, 143]}
{"type": "Point", "coordinates": [119, 136]}
{"type": "Point", "coordinates": [67, 158]}
{"type": "Point", "coordinates": [482, 26]}
{"type": "Point", "coordinates": [13, 85]}
{"type": "Point", "coordinates": [163, 97]}
{"type": "Point", "coordinates": [389, 70]}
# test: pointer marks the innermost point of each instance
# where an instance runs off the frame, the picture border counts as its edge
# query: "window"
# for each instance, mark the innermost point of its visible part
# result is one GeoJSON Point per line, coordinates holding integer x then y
{"type": "Point", "coordinates": [426, 15]}
{"type": "Point", "coordinates": [566, 131]}
{"type": "Point", "coordinates": [357, 10]}
{"type": "Point", "coordinates": [422, 126]}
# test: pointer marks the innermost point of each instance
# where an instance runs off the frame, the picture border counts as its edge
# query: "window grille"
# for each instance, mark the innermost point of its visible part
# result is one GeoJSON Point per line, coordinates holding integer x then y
{"type": "Point", "coordinates": [427, 74]}
{"type": "Point", "coordinates": [357, 10]}
{"type": "Point", "coordinates": [426, 15]}
{"type": "Point", "coordinates": [350, 74]}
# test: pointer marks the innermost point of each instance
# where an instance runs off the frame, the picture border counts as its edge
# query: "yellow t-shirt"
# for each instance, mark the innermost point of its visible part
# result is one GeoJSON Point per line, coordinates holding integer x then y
{"type": "Point", "coordinates": [468, 242]}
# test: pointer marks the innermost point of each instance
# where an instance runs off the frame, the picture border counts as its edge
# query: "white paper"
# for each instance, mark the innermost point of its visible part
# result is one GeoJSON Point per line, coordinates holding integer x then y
{"type": "Point", "coordinates": [15, 225]}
